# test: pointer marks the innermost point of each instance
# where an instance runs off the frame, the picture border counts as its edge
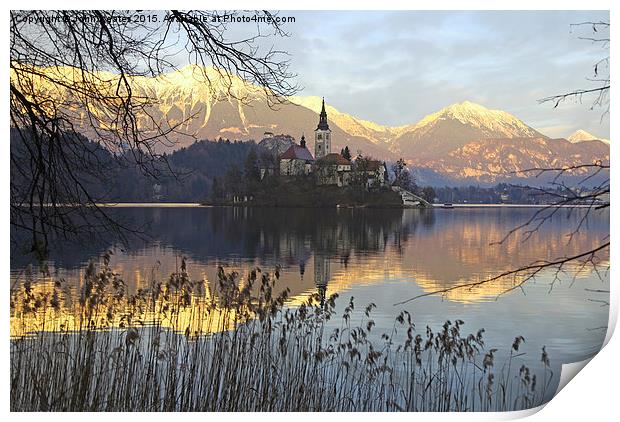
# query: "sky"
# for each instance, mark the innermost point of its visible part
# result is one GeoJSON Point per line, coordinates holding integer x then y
{"type": "Point", "coordinates": [395, 67]}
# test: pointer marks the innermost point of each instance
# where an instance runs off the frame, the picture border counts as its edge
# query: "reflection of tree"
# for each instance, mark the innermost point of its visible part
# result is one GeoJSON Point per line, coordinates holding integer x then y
{"type": "Point", "coordinates": [436, 249]}
{"type": "Point", "coordinates": [284, 237]}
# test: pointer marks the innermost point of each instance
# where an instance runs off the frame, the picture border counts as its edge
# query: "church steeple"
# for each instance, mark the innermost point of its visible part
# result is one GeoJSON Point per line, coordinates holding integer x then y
{"type": "Point", "coordinates": [322, 135]}
{"type": "Point", "coordinates": [323, 118]}
{"type": "Point", "coordinates": [302, 143]}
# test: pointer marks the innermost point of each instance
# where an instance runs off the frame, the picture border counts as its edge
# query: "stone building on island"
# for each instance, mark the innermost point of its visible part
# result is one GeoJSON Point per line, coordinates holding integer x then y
{"type": "Point", "coordinates": [333, 169]}
{"type": "Point", "coordinates": [375, 173]}
{"type": "Point", "coordinates": [296, 160]}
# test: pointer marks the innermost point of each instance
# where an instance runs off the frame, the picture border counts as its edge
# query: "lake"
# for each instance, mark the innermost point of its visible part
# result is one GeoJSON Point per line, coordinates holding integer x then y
{"type": "Point", "coordinates": [383, 257]}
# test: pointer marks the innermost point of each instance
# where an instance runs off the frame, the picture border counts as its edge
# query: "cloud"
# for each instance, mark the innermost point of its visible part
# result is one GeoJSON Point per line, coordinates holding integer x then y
{"type": "Point", "coordinates": [396, 67]}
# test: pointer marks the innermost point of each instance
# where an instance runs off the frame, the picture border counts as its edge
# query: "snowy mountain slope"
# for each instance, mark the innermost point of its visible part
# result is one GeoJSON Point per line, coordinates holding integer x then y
{"type": "Point", "coordinates": [463, 141]}
{"type": "Point", "coordinates": [583, 136]}
{"type": "Point", "coordinates": [376, 133]}
{"type": "Point", "coordinates": [457, 124]}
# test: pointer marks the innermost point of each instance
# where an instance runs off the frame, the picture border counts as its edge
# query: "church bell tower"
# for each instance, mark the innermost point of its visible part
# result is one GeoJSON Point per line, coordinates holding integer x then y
{"type": "Point", "coordinates": [322, 136]}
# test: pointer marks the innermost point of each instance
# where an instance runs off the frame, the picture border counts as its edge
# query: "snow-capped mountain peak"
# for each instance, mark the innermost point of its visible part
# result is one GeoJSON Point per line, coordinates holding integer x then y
{"type": "Point", "coordinates": [583, 136]}
{"type": "Point", "coordinates": [496, 122]}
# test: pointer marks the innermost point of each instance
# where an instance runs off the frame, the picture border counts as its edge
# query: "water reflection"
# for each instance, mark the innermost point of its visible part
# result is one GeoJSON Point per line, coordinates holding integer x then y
{"type": "Point", "coordinates": [379, 256]}
{"type": "Point", "coordinates": [338, 247]}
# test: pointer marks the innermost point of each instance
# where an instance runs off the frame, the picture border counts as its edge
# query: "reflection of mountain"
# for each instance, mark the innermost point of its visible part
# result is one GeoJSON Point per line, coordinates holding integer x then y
{"type": "Point", "coordinates": [334, 250]}
{"type": "Point", "coordinates": [467, 251]}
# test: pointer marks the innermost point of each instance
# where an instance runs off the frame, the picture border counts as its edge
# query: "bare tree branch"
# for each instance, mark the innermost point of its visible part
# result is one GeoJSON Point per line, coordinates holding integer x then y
{"type": "Point", "coordinates": [78, 72]}
{"type": "Point", "coordinates": [600, 69]}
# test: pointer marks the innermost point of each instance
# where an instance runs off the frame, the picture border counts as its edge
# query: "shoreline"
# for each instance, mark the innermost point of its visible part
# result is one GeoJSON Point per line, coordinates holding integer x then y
{"type": "Point", "coordinates": [438, 206]}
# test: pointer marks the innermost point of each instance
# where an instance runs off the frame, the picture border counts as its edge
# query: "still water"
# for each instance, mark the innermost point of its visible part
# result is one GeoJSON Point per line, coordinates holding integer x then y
{"type": "Point", "coordinates": [384, 257]}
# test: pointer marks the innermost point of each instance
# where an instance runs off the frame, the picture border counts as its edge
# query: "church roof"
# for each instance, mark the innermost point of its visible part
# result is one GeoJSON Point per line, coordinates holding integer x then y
{"type": "Point", "coordinates": [334, 158]}
{"type": "Point", "coordinates": [323, 119]}
{"type": "Point", "coordinates": [296, 152]}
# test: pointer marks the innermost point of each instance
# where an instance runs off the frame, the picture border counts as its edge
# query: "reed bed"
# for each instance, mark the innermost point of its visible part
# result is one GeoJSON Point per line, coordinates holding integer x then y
{"type": "Point", "coordinates": [178, 347]}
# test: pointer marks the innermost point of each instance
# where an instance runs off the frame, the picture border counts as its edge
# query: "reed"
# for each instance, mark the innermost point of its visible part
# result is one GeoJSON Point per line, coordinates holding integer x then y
{"type": "Point", "coordinates": [177, 346]}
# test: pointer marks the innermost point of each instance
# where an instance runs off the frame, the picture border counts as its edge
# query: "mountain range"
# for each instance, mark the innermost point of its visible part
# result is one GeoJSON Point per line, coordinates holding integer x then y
{"type": "Point", "coordinates": [461, 143]}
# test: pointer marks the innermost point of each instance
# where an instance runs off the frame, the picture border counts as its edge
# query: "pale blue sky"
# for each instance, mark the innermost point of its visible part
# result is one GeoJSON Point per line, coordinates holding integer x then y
{"type": "Point", "coordinates": [395, 67]}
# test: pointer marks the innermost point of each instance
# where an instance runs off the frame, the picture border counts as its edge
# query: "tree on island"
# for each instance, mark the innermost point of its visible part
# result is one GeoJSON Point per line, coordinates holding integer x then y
{"type": "Point", "coordinates": [233, 181]}
{"type": "Point", "coordinates": [428, 193]}
{"type": "Point", "coordinates": [402, 176]}
{"type": "Point", "coordinates": [346, 153]}
{"type": "Point", "coordinates": [359, 174]}
{"type": "Point", "coordinates": [217, 191]}
{"type": "Point", "coordinates": [251, 171]}
{"type": "Point", "coordinates": [98, 55]}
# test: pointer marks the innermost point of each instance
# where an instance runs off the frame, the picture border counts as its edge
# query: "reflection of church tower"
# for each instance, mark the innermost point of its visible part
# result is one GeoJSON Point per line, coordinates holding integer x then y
{"type": "Point", "coordinates": [322, 136]}
{"type": "Point", "coordinates": [322, 274]}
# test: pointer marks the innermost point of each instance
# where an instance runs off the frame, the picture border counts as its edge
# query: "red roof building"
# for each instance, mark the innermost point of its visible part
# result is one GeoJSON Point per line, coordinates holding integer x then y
{"type": "Point", "coordinates": [333, 169]}
{"type": "Point", "coordinates": [336, 159]}
{"type": "Point", "coordinates": [297, 152]}
{"type": "Point", "coordinates": [296, 160]}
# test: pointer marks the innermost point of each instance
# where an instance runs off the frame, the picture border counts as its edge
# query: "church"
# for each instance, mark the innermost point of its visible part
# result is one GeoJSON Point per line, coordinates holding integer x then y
{"type": "Point", "coordinates": [330, 168]}
{"type": "Point", "coordinates": [322, 136]}
{"type": "Point", "coordinates": [297, 160]}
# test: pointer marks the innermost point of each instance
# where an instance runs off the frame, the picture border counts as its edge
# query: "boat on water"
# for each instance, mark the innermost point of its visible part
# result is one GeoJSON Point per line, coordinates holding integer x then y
{"type": "Point", "coordinates": [447, 205]}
